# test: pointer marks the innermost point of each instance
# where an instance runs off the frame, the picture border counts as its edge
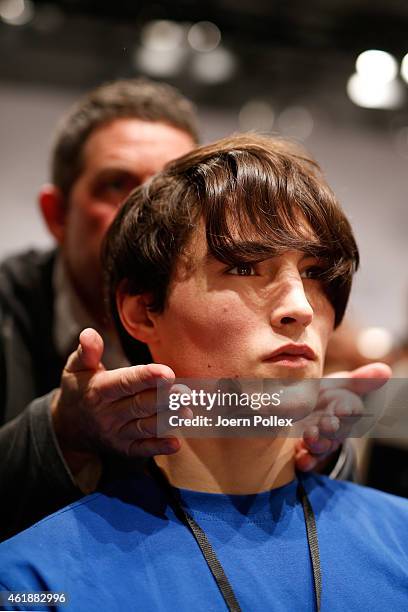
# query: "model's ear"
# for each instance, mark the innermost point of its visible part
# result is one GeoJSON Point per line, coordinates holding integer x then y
{"type": "Point", "coordinates": [54, 211]}
{"type": "Point", "coordinates": [136, 317]}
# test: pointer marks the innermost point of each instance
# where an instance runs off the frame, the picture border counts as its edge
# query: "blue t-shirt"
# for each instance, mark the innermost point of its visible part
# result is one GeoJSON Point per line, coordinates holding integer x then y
{"type": "Point", "coordinates": [124, 550]}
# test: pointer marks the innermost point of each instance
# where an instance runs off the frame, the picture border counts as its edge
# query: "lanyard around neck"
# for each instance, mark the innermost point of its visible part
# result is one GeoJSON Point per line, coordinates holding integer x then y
{"type": "Point", "coordinates": [210, 556]}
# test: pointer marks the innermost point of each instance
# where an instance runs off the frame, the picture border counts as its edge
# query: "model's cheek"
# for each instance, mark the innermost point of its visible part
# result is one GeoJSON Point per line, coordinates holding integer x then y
{"type": "Point", "coordinates": [212, 337]}
{"type": "Point", "coordinates": [323, 330]}
{"type": "Point", "coordinates": [327, 319]}
{"type": "Point", "coordinates": [224, 328]}
{"type": "Point", "coordinates": [210, 315]}
{"type": "Point", "coordinates": [323, 311]}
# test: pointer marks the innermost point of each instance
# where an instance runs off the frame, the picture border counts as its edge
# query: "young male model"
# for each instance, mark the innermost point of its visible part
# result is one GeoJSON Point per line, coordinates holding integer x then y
{"type": "Point", "coordinates": [236, 261]}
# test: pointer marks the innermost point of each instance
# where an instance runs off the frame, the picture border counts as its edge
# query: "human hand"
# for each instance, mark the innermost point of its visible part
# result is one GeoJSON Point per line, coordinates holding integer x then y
{"type": "Point", "coordinates": [95, 409]}
{"type": "Point", "coordinates": [342, 407]}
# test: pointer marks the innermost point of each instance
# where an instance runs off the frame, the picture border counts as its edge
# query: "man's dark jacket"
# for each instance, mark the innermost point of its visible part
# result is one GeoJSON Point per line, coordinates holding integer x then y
{"type": "Point", "coordinates": [34, 480]}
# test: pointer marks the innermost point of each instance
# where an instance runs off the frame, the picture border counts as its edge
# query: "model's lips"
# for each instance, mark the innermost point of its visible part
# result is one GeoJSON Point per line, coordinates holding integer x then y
{"type": "Point", "coordinates": [292, 353]}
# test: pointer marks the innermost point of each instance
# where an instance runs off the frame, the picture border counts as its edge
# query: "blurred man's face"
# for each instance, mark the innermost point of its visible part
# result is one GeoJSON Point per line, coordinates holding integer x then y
{"type": "Point", "coordinates": [116, 158]}
{"type": "Point", "coordinates": [265, 320]}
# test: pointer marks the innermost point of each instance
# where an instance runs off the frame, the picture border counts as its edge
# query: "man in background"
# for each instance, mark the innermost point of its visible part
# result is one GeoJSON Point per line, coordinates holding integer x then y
{"type": "Point", "coordinates": [112, 140]}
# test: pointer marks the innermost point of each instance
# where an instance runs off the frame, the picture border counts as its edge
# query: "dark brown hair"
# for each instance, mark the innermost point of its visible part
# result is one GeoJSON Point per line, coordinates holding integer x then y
{"type": "Point", "coordinates": [257, 196]}
{"type": "Point", "coordinates": [131, 98]}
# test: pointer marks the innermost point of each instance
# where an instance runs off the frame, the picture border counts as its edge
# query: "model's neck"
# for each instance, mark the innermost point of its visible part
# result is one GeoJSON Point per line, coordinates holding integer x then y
{"type": "Point", "coordinates": [232, 466]}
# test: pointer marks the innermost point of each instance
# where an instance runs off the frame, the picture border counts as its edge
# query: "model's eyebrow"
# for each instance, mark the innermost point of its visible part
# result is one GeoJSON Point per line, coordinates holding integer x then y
{"type": "Point", "coordinates": [257, 252]}
{"type": "Point", "coordinates": [310, 256]}
{"type": "Point", "coordinates": [254, 251]}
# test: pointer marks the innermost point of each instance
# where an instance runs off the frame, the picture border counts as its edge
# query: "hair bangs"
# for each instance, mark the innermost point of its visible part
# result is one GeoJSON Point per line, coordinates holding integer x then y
{"type": "Point", "coordinates": [253, 208]}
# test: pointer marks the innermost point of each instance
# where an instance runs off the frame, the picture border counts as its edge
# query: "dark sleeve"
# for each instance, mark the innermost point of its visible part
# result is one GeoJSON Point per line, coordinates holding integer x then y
{"type": "Point", "coordinates": [34, 479]}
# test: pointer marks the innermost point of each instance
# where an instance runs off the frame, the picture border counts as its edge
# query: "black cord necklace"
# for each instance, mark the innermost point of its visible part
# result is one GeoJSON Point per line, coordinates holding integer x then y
{"type": "Point", "coordinates": [210, 556]}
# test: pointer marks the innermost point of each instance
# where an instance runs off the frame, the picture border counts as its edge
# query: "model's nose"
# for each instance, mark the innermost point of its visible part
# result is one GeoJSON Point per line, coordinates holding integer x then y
{"type": "Point", "coordinates": [290, 304]}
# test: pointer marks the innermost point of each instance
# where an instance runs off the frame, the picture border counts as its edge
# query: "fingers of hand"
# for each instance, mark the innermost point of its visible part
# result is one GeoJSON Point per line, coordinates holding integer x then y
{"type": "Point", "coordinates": [305, 462]}
{"type": "Point", "coordinates": [347, 407]}
{"type": "Point", "coordinates": [88, 354]}
{"type": "Point", "coordinates": [311, 433]}
{"type": "Point", "coordinates": [139, 429]}
{"type": "Point", "coordinates": [146, 403]}
{"type": "Point", "coordinates": [361, 380]}
{"type": "Point", "coordinates": [147, 427]}
{"type": "Point", "coordinates": [130, 413]}
{"type": "Point", "coordinates": [137, 406]}
{"type": "Point", "coordinates": [329, 427]}
{"type": "Point", "coordinates": [320, 446]}
{"type": "Point", "coordinates": [346, 404]}
{"type": "Point", "coordinates": [123, 382]}
{"type": "Point", "coordinates": [150, 447]}
{"type": "Point", "coordinates": [91, 344]}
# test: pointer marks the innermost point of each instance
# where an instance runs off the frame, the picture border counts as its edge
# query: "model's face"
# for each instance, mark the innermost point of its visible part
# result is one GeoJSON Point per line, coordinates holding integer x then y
{"type": "Point", "coordinates": [230, 322]}
{"type": "Point", "coordinates": [116, 158]}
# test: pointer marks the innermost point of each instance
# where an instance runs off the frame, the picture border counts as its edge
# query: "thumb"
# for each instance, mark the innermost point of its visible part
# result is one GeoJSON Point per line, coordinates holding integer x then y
{"type": "Point", "coordinates": [364, 379]}
{"type": "Point", "coordinates": [88, 354]}
{"type": "Point", "coordinates": [378, 370]}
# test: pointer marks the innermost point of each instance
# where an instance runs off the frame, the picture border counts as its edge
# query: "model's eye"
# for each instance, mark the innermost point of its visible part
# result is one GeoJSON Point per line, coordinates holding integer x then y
{"type": "Point", "coordinates": [313, 272]}
{"type": "Point", "coordinates": [243, 269]}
